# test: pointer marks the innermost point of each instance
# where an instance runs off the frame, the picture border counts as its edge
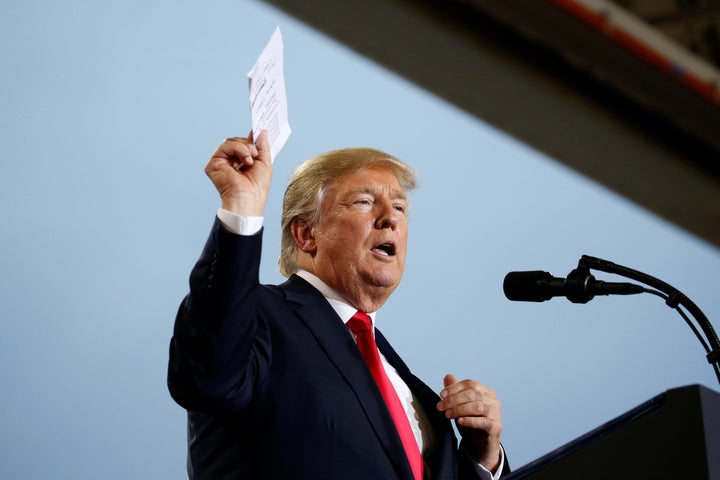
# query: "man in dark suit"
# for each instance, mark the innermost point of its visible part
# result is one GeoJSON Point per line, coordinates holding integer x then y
{"type": "Point", "coordinates": [285, 382]}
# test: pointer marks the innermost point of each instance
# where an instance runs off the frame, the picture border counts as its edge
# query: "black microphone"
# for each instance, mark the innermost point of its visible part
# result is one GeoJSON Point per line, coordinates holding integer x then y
{"type": "Point", "coordinates": [580, 286]}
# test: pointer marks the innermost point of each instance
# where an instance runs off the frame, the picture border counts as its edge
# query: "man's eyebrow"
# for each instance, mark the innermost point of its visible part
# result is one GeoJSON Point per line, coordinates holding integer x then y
{"type": "Point", "coordinates": [399, 194]}
{"type": "Point", "coordinates": [395, 194]}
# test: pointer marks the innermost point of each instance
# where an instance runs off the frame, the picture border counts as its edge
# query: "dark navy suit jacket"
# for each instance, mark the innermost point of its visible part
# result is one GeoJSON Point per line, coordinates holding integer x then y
{"type": "Point", "coordinates": [275, 386]}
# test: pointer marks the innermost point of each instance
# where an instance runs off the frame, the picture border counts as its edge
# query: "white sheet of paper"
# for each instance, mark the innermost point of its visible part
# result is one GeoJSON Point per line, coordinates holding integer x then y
{"type": "Point", "coordinates": [268, 103]}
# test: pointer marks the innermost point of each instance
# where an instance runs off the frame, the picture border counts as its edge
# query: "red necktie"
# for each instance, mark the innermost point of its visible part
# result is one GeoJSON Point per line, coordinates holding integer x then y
{"type": "Point", "coordinates": [361, 326]}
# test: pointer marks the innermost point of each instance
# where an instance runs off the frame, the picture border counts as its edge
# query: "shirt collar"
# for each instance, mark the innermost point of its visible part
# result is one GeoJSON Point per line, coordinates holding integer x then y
{"type": "Point", "coordinates": [344, 310]}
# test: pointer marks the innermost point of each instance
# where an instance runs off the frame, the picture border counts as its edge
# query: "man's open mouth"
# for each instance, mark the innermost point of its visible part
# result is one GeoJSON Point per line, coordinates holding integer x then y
{"type": "Point", "coordinates": [387, 249]}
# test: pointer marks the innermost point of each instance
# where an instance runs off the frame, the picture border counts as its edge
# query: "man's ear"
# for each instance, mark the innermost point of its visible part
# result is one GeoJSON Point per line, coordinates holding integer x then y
{"type": "Point", "coordinates": [304, 235]}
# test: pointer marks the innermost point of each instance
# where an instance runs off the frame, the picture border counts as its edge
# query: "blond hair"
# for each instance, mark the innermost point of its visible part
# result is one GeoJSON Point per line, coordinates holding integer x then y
{"type": "Point", "coordinates": [305, 191]}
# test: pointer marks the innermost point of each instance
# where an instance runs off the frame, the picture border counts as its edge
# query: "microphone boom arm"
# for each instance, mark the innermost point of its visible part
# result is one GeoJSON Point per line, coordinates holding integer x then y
{"type": "Point", "coordinates": [673, 299]}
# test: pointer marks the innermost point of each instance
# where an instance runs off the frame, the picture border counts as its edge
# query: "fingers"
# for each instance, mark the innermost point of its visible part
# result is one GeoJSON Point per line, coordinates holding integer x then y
{"type": "Point", "coordinates": [455, 390]}
{"type": "Point", "coordinates": [236, 151]}
{"type": "Point", "coordinates": [242, 153]}
{"type": "Point", "coordinates": [476, 410]}
{"type": "Point", "coordinates": [471, 404]}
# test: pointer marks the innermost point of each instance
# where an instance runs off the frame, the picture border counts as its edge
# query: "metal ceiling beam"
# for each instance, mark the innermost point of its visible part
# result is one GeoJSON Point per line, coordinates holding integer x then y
{"type": "Point", "coordinates": [674, 15]}
{"type": "Point", "coordinates": [528, 68]}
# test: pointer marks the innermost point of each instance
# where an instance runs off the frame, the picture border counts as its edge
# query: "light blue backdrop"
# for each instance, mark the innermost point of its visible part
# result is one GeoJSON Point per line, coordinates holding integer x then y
{"type": "Point", "coordinates": [109, 113]}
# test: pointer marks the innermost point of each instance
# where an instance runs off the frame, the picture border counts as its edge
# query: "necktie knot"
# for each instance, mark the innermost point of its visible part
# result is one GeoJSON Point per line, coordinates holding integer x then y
{"type": "Point", "coordinates": [360, 322]}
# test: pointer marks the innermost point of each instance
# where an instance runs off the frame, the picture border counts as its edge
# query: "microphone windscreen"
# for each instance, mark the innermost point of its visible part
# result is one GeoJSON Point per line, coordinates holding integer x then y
{"type": "Point", "coordinates": [528, 286]}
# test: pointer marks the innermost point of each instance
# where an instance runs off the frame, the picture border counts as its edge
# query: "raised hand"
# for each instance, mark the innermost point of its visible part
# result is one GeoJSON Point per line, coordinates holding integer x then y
{"type": "Point", "coordinates": [241, 172]}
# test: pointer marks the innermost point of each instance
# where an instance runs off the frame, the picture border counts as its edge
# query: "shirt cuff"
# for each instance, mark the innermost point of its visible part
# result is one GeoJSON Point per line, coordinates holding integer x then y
{"type": "Point", "coordinates": [483, 473]}
{"type": "Point", "coordinates": [238, 224]}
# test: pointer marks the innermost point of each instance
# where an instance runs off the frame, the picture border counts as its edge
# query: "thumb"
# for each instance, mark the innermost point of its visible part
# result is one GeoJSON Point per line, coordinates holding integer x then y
{"type": "Point", "coordinates": [449, 379]}
{"type": "Point", "coordinates": [263, 146]}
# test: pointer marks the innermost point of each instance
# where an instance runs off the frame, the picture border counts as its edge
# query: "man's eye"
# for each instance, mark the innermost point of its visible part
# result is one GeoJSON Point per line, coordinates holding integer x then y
{"type": "Point", "coordinates": [400, 208]}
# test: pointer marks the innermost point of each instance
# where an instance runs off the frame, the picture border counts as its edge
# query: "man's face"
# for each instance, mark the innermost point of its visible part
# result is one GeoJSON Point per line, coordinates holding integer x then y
{"type": "Point", "coordinates": [361, 237]}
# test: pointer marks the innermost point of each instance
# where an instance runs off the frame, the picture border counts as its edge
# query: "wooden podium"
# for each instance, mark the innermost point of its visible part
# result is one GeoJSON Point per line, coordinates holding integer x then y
{"type": "Point", "coordinates": [675, 435]}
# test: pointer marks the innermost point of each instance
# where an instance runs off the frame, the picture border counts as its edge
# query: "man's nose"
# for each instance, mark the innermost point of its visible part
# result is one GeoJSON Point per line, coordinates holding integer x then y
{"type": "Point", "coordinates": [388, 216]}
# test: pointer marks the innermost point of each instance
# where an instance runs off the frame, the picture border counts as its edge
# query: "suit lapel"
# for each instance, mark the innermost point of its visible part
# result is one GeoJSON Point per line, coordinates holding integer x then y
{"type": "Point", "coordinates": [335, 340]}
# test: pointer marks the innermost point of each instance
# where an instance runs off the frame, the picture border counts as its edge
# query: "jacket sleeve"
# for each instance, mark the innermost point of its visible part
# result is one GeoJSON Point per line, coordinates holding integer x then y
{"type": "Point", "coordinates": [220, 349]}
